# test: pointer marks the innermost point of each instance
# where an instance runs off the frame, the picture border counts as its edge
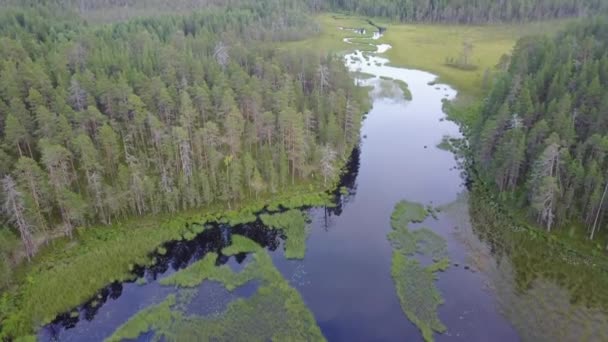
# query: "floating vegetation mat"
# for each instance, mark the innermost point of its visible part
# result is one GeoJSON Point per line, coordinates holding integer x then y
{"type": "Point", "coordinates": [275, 312]}
{"type": "Point", "coordinates": [293, 223]}
{"type": "Point", "coordinates": [415, 283]}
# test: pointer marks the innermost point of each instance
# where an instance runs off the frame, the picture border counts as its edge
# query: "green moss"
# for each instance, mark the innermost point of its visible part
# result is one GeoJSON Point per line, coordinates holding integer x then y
{"type": "Point", "coordinates": [417, 293]}
{"type": "Point", "coordinates": [439, 266]}
{"type": "Point", "coordinates": [406, 212]}
{"type": "Point", "coordinates": [430, 244]}
{"type": "Point", "coordinates": [206, 269]}
{"type": "Point", "coordinates": [415, 284]}
{"type": "Point", "coordinates": [317, 199]}
{"type": "Point", "coordinates": [260, 267]}
{"type": "Point", "coordinates": [275, 312]}
{"type": "Point", "coordinates": [240, 244]}
{"type": "Point", "coordinates": [29, 338]}
{"type": "Point", "coordinates": [404, 241]}
{"type": "Point", "coordinates": [145, 320]}
{"type": "Point", "coordinates": [293, 224]}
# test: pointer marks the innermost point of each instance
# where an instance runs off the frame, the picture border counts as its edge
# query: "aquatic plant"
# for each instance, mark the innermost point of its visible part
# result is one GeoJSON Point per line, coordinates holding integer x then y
{"type": "Point", "coordinates": [430, 243]}
{"type": "Point", "coordinates": [241, 244]}
{"type": "Point", "coordinates": [54, 282]}
{"type": "Point", "coordinates": [293, 224]}
{"type": "Point", "coordinates": [206, 269]}
{"type": "Point", "coordinates": [275, 312]}
{"type": "Point", "coordinates": [406, 212]}
{"type": "Point", "coordinates": [417, 293]}
{"type": "Point", "coordinates": [414, 283]}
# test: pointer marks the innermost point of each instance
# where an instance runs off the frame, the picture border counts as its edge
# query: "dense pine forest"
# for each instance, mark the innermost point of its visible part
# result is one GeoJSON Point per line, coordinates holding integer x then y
{"type": "Point", "coordinates": [543, 134]}
{"type": "Point", "coordinates": [149, 116]}
{"type": "Point", "coordinates": [466, 11]}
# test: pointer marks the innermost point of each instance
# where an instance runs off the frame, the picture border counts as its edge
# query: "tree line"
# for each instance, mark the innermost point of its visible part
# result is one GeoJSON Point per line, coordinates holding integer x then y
{"type": "Point", "coordinates": [543, 136]}
{"type": "Point", "coordinates": [467, 11]}
{"type": "Point", "coordinates": [157, 115]}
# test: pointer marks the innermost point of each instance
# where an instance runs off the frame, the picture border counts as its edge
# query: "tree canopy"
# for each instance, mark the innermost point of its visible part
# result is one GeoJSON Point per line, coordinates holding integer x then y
{"type": "Point", "coordinates": [543, 136]}
{"type": "Point", "coordinates": [160, 114]}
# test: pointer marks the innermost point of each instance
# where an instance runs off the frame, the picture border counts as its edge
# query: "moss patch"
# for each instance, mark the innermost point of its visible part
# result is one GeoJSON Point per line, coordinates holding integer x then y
{"type": "Point", "coordinates": [414, 283]}
{"type": "Point", "coordinates": [417, 293]}
{"type": "Point", "coordinates": [275, 312]}
{"type": "Point", "coordinates": [293, 224]}
{"type": "Point", "coordinates": [240, 244]}
{"type": "Point", "coordinates": [407, 212]}
{"type": "Point", "coordinates": [62, 276]}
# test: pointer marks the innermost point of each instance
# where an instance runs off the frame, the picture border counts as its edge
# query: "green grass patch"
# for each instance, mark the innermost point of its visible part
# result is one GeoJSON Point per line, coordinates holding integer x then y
{"type": "Point", "coordinates": [330, 39]}
{"type": "Point", "coordinates": [205, 269]}
{"type": "Point", "coordinates": [292, 201]}
{"type": "Point", "coordinates": [406, 212]}
{"type": "Point", "coordinates": [426, 47]}
{"type": "Point", "coordinates": [417, 293]}
{"type": "Point", "coordinates": [414, 283]}
{"type": "Point", "coordinates": [293, 223]}
{"type": "Point", "coordinates": [275, 312]}
{"type": "Point", "coordinates": [241, 244]}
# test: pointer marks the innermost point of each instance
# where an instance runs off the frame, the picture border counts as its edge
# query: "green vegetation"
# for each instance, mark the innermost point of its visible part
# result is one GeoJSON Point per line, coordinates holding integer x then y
{"type": "Point", "coordinates": [330, 38]}
{"type": "Point", "coordinates": [293, 224]}
{"type": "Point", "coordinates": [406, 212]}
{"type": "Point", "coordinates": [128, 123]}
{"type": "Point", "coordinates": [53, 282]}
{"type": "Point", "coordinates": [275, 312]}
{"type": "Point", "coordinates": [145, 320]}
{"type": "Point", "coordinates": [206, 269]}
{"type": "Point", "coordinates": [468, 12]}
{"type": "Point", "coordinates": [541, 277]}
{"type": "Point", "coordinates": [415, 284]}
{"type": "Point", "coordinates": [426, 47]}
{"type": "Point", "coordinates": [121, 120]}
{"type": "Point", "coordinates": [417, 293]}
{"type": "Point", "coordinates": [240, 244]}
{"type": "Point", "coordinates": [542, 137]}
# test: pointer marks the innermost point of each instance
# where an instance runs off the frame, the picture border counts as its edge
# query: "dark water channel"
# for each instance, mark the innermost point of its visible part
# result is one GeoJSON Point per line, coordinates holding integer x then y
{"type": "Point", "coordinates": [345, 277]}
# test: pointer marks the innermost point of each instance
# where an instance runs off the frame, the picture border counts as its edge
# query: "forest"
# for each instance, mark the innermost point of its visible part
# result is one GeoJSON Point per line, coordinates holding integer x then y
{"type": "Point", "coordinates": [149, 116]}
{"type": "Point", "coordinates": [470, 12]}
{"type": "Point", "coordinates": [187, 117]}
{"type": "Point", "coordinates": [542, 138]}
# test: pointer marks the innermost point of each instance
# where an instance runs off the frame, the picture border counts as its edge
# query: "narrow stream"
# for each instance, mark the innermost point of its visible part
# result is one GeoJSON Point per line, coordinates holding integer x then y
{"type": "Point", "coordinates": [345, 277]}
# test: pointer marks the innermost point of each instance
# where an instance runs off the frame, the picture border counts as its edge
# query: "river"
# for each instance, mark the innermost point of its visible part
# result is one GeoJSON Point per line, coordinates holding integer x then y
{"type": "Point", "coordinates": [345, 277]}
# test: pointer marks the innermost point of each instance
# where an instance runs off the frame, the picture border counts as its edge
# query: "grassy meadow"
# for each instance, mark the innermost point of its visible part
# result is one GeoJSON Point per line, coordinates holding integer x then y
{"type": "Point", "coordinates": [426, 47]}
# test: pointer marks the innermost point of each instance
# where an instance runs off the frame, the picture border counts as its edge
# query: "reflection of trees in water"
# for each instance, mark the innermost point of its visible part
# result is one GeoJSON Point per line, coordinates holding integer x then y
{"type": "Point", "coordinates": [348, 180]}
{"type": "Point", "coordinates": [179, 254]}
{"type": "Point", "coordinates": [537, 278]}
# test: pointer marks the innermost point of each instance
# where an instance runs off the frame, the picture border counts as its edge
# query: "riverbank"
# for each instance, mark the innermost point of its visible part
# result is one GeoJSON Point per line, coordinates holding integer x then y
{"type": "Point", "coordinates": [70, 272]}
